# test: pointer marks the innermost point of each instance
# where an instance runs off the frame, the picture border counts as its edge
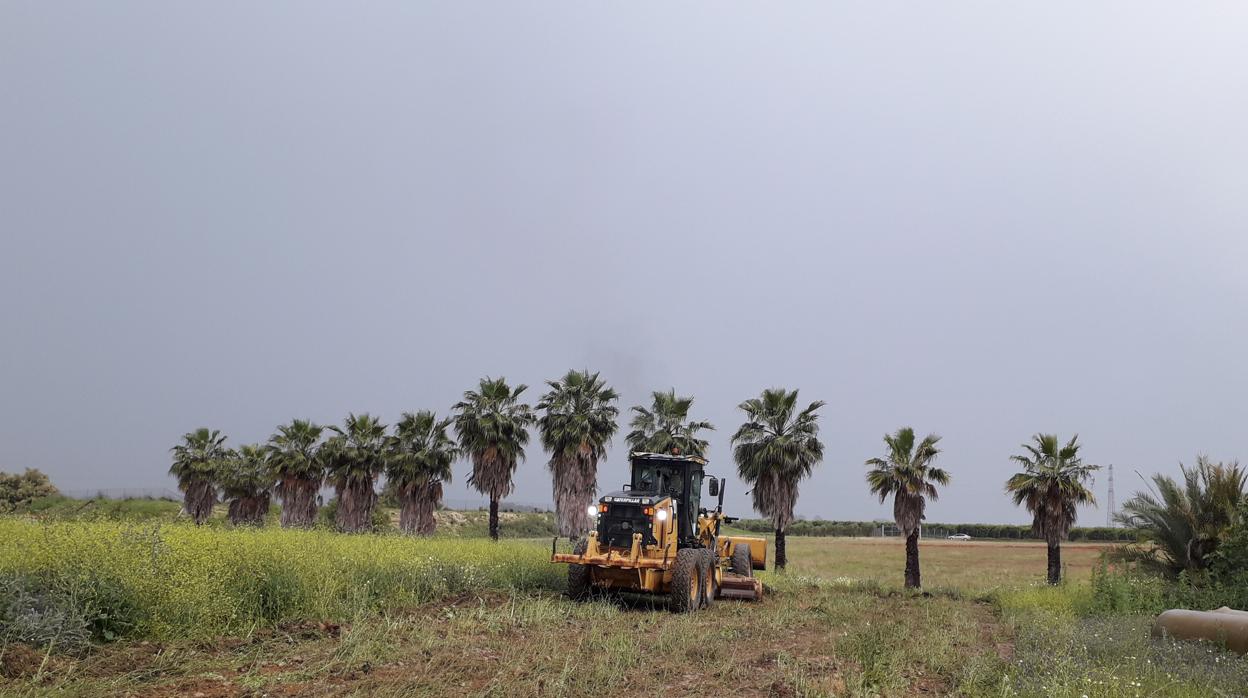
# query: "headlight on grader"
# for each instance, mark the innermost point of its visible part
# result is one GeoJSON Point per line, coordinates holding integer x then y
{"type": "Point", "coordinates": [661, 515]}
{"type": "Point", "coordinates": [593, 510]}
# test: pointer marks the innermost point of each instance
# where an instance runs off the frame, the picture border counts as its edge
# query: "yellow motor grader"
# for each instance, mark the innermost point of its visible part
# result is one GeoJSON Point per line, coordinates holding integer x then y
{"type": "Point", "coordinates": [655, 537]}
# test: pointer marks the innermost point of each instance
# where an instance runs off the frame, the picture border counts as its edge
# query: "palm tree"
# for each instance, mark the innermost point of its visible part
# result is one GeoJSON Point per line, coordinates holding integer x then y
{"type": "Point", "coordinates": [664, 427]}
{"type": "Point", "coordinates": [246, 482]}
{"type": "Point", "coordinates": [775, 449]}
{"type": "Point", "coordinates": [197, 463]}
{"type": "Point", "coordinates": [1052, 486]}
{"type": "Point", "coordinates": [908, 475]}
{"type": "Point", "coordinates": [1183, 523]}
{"type": "Point", "coordinates": [354, 457]}
{"type": "Point", "coordinates": [295, 453]}
{"type": "Point", "coordinates": [421, 454]}
{"type": "Point", "coordinates": [492, 426]}
{"type": "Point", "coordinates": [576, 428]}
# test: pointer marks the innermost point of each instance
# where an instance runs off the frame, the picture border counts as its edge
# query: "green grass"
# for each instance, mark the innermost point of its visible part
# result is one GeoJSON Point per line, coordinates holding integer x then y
{"type": "Point", "coordinates": [66, 508]}
{"type": "Point", "coordinates": [1063, 646]}
{"type": "Point", "coordinates": [220, 612]}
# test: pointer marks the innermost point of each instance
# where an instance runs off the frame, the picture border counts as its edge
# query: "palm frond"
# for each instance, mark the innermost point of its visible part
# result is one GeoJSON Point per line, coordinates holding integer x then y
{"type": "Point", "coordinates": [491, 425]}
{"type": "Point", "coordinates": [665, 426]}
{"type": "Point", "coordinates": [906, 473]}
{"type": "Point", "coordinates": [1053, 482]}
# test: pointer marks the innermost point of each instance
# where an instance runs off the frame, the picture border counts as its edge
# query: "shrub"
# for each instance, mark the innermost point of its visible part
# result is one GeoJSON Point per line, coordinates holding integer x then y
{"type": "Point", "coordinates": [20, 490]}
{"type": "Point", "coordinates": [1184, 522]}
{"type": "Point", "coordinates": [1137, 591]}
{"type": "Point", "coordinates": [1229, 564]}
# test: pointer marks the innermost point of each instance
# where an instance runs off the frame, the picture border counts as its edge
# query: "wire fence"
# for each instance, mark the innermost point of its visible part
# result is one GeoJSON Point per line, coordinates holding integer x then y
{"type": "Point", "coordinates": [125, 493]}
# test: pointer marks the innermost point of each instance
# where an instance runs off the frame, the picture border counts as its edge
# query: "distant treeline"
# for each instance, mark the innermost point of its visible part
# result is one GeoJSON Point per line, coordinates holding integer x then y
{"type": "Point", "coordinates": [869, 528]}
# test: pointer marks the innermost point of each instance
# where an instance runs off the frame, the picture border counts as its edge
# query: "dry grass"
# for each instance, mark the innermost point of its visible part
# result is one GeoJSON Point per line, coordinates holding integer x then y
{"type": "Point", "coordinates": [807, 639]}
{"type": "Point", "coordinates": [973, 567]}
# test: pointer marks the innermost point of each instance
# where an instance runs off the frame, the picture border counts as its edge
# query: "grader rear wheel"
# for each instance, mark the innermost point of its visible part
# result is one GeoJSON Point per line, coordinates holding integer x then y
{"type": "Point", "coordinates": [580, 586]}
{"type": "Point", "coordinates": [687, 580]}
{"type": "Point", "coordinates": [741, 563]}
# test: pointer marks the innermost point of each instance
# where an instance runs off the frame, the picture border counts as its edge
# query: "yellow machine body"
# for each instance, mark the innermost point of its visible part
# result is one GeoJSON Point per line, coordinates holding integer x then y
{"type": "Point", "coordinates": [648, 567]}
{"type": "Point", "coordinates": [757, 546]}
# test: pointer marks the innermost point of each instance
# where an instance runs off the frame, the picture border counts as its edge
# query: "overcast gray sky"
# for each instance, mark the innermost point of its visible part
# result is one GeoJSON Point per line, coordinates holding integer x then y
{"type": "Point", "coordinates": [981, 219]}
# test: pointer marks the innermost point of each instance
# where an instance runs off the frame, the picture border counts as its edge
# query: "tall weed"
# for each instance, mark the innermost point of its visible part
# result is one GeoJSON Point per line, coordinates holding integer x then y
{"type": "Point", "coordinates": [178, 580]}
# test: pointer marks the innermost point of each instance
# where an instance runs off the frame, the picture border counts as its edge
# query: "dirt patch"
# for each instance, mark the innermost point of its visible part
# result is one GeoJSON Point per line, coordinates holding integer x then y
{"type": "Point", "coordinates": [19, 662]}
{"type": "Point", "coordinates": [202, 688]}
{"type": "Point", "coordinates": [450, 518]}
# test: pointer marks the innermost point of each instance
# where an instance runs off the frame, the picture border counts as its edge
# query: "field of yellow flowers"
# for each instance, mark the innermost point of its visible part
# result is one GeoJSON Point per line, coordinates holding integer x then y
{"type": "Point", "coordinates": [178, 581]}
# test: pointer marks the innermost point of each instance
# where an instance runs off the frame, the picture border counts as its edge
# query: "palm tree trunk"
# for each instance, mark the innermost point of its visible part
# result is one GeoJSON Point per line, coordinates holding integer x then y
{"type": "Point", "coordinates": [418, 504]}
{"type": "Point", "coordinates": [1055, 562]}
{"type": "Point", "coordinates": [198, 501]}
{"type": "Point", "coordinates": [249, 511]}
{"type": "Point", "coordinates": [298, 502]}
{"type": "Point", "coordinates": [575, 481]}
{"type": "Point", "coordinates": [781, 557]}
{"type": "Point", "coordinates": [426, 522]}
{"type": "Point", "coordinates": [912, 561]}
{"type": "Point", "coordinates": [355, 506]}
{"type": "Point", "coordinates": [493, 518]}
{"type": "Point", "coordinates": [428, 499]}
{"type": "Point", "coordinates": [409, 512]}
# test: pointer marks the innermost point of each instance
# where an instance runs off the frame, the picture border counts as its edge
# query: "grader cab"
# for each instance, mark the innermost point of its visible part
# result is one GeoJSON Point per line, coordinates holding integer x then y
{"type": "Point", "coordinates": [655, 536]}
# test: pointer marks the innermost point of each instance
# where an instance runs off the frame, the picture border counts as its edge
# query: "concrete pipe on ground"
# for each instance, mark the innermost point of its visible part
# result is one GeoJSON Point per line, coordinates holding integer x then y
{"type": "Point", "coordinates": [1223, 625]}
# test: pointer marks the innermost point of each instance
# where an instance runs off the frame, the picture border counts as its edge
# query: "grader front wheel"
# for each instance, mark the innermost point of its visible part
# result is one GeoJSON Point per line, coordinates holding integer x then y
{"type": "Point", "coordinates": [687, 580]}
{"type": "Point", "coordinates": [579, 584]}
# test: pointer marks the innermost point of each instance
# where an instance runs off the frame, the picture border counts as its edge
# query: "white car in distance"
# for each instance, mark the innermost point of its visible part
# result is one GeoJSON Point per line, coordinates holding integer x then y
{"type": "Point", "coordinates": [959, 536]}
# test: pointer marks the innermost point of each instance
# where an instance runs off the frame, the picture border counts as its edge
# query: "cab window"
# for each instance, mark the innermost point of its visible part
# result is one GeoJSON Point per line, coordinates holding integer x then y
{"type": "Point", "coordinates": [645, 479]}
{"type": "Point", "coordinates": [695, 492]}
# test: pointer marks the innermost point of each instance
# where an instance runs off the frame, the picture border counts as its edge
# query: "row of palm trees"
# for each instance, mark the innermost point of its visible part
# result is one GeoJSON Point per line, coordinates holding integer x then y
{"type": "Point", "coordinates": [491, 429]}
{"type": "Point", "coordinates": [775, 449]}
{"type": "Point", "coordinates": [296, 462]}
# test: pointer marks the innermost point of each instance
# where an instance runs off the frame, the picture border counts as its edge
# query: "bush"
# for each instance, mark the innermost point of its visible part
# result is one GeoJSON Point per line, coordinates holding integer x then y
{"type": "Point", "coordinates": [1181, 524]}
{"type": "Point", "coordinates": [19, 490]}
{"type": "Point", "coordinates": [1133, 591]}
{"type": "Point", "coordinates": [1229, 563]}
